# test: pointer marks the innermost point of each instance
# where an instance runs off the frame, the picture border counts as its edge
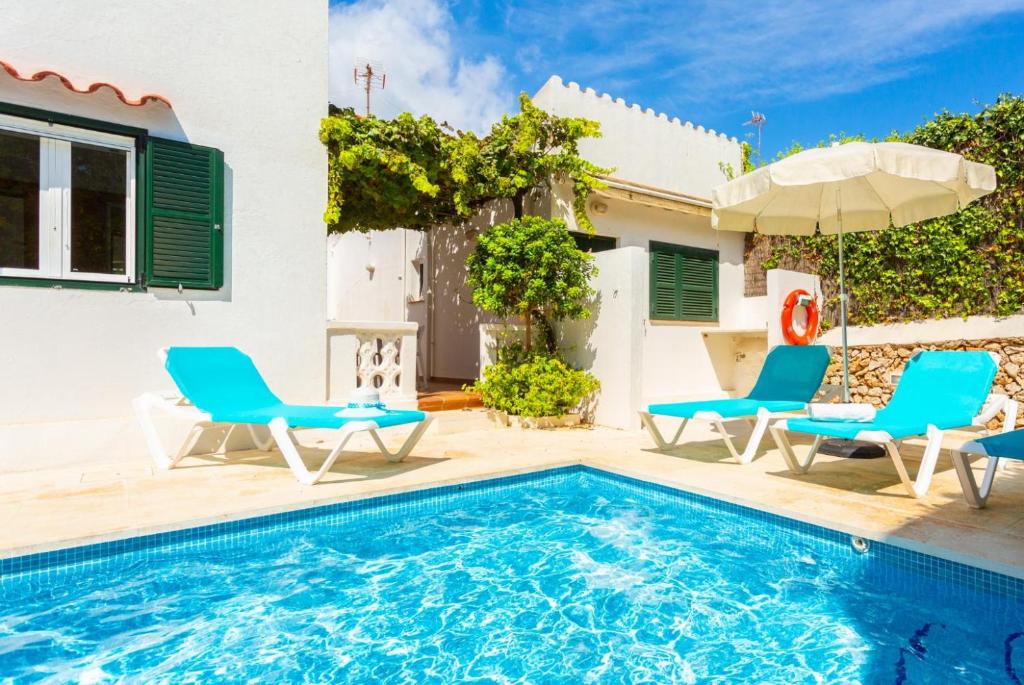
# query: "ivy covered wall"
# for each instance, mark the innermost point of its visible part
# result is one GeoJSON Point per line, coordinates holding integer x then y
{"type": "Point", "coordinates": [969, 263]}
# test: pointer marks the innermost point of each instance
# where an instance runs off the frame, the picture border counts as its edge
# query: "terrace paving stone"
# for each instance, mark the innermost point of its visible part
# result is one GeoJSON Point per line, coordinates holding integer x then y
{"type": "Point", "coordinates": [46, 510]}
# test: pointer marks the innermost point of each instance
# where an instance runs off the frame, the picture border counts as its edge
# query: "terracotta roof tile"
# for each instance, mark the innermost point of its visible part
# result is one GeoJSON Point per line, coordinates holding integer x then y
{"type": "Point", "coordinates": [91, 88]}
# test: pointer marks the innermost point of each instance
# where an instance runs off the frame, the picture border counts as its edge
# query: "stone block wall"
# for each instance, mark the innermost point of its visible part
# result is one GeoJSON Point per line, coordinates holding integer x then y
{"type": "Point", "coordinates": [872, 368]}
{"type": "Point", "coordinates": [755, 282]}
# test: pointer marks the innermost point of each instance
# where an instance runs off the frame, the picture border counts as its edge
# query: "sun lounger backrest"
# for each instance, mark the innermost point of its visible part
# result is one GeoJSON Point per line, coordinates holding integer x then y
{"type": "Point", "coordinates": [943, 387]}
{"type": "Point", "coordinates": [218, 379]}
{"type": "Point", "coordinates": [791, 373]}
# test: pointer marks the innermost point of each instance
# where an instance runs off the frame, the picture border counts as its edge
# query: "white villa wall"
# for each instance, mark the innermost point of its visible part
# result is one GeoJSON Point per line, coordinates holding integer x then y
{"type": "Point", "coordinates": [72, 360]}
{"type": "Point", "coordinates": [448, 338]}
{"type": "Point", "coordinates": [611, 343]}
{"type": "Point", "coordinates": [373, 277]}
{"type": "Point", "coordinates": [650, 149]}
{"type": "Point", "coordinates": [454, 338]}
{"type": "Point", "coordinates": [780, 283]}
{"type": "Point", "coordinates": [644, 146]}
{"type": "Point", "coordinates": [678, 361]}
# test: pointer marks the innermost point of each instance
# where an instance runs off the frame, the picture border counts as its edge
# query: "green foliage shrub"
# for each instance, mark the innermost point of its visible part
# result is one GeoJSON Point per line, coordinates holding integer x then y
{"type": "Point", "coordinates": [385, 174]}
{"type": "Point", "coordinates": [971, 262]}
{"type": "Point", "coordinates": [533, 384]}
{"type": "Point", "coordinates": [530, 268]}
{"type": "Point", "coordinates": [415, 173]}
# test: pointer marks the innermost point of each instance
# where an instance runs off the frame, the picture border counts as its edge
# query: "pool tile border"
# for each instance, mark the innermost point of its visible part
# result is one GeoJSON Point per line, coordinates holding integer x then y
{"type": "Point", "coordinates": [403, 504]}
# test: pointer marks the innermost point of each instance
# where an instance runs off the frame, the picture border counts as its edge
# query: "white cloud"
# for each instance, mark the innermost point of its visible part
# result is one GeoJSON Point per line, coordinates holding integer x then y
{"type": "Point", "coordinates": [807, 50]}
{"type": "Point", "coordinates": [715, 51]}
{"type": "Point", "coordinates": [413, 40]}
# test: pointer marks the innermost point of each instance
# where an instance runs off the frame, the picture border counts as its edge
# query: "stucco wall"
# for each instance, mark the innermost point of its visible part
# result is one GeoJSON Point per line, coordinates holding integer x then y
{"type": "Point", "coordinates": [448, 339]}
{"type": "Point", "coordinates": [373, 277]}
{"type": "Point", "coordinates": [610, 343]}
{"type": "Point", "coordinates": [644, 146]}
{"type": "Point", "coordinates": [82, 355]}
{"type": "Point", "coordinates": [678, 363]}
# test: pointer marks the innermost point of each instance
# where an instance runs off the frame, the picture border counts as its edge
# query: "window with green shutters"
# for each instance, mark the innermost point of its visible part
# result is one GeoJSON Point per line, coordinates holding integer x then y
{"type": "Point", "coordinates": [185, 218]}
{"type": "Point", "coordinates": [143, 211]}
{"type": "Point", "coordinates": [684, 283]}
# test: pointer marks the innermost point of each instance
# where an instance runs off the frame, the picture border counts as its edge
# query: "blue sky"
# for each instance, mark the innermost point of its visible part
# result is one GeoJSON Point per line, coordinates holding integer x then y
{"type": "Point", "coordinates": [813, 68]}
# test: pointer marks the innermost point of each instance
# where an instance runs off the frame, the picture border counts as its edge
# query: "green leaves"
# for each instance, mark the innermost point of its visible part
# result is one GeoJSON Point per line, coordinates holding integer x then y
{"type": "Point", "coordinates": [528, 267]}
{"type": "Point", "coordinates": [386, 174]}
{"type": "Point", "coordinates": [963, 264]}
{"type": "Point", "coordinates": [536, 384]}
{"type": "Point", "coordinates": [414, 173]}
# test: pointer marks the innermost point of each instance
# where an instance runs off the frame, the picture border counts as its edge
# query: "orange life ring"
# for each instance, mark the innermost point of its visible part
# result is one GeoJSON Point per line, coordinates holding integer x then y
{"type": "Point", "coordinates": [810, 330]}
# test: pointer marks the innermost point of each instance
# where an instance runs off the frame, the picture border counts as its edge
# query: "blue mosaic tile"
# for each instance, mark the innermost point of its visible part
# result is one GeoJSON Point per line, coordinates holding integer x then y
{"type": "Point", "coordinates": [902, 567]}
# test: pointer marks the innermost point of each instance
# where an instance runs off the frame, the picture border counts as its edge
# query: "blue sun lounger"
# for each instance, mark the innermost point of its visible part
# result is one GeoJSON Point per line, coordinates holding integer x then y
{"type": "Point", "coordinates": [938, 391]}
{"type": "Point", "coordinates": [998, 449]}
{"type": "Point", "coordinates": [789, 379]}
{"type": "Point", "coordinates": [221, 385]}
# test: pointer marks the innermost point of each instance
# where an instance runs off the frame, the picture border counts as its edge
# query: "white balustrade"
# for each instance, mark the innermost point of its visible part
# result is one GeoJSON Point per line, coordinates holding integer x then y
{"type": "Point", "coordinates": [376, 354]}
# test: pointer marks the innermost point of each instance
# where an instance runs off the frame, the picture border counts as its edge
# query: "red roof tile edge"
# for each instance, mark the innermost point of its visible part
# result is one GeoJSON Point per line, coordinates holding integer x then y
{"type": "Point", "coordinates": [40, 75]}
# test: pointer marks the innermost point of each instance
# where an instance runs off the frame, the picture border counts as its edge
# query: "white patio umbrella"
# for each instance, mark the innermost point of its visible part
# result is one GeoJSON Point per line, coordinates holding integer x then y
{"type": "Point", "coordinates": [849, 187]}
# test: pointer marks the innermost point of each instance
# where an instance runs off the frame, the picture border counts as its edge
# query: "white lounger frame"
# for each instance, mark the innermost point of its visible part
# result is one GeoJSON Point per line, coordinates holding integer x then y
{"type": "Point", "coordinates": [280, 434]}
{"type": "Point", "coordinates": [976, 496]}
{"type": "Point", "coordinates": [758, 427]}
{"type": "Point", "coordinates": [176, 406]}
{"type": "Point", "coordinates": [918, 486]}
{"type": "Point", "coordinates": [718, 421]}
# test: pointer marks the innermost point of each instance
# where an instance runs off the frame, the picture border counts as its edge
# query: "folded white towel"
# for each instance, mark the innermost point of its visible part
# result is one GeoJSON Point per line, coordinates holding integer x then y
{"type": "Point", "coordinates": [853, 412]}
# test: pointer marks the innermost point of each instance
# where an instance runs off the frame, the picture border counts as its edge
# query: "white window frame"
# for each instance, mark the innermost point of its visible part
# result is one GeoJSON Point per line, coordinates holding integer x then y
{"type": "Point", "coordinates": [55, 198]}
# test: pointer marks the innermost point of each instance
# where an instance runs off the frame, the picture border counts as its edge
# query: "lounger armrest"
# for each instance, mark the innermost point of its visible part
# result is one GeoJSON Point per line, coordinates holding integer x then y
{"type": "Point", "coordinates": [174, 398]}
{"type": "Point", "coordinates": [171, 404]}
{"type": "Point", "coordinates": [996, 403]}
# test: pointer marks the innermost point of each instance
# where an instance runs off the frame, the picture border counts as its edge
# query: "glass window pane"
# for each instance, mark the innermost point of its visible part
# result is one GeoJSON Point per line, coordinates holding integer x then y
{"type": "Point", "coordinates": [19, 200]}
{"type": "Point", "coordinates": [99, 190]}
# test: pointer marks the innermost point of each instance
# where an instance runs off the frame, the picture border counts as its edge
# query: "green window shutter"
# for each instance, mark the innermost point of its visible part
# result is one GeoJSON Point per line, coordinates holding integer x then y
{"type": "Point", "coordinates": [699, 285]}
{"type": "Point", "coordinates": [184, 215]}
{"type": "Point", "coordinates": [664, 297]}
{"type": "Point", "coordinates": [684, 283]}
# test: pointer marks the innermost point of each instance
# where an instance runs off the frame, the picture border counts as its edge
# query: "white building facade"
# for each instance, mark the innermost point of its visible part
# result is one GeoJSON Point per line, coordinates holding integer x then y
{"type": "Point", "coordinates": [670, 321]}
{"type": "Point", "coordinates": [128, 224]}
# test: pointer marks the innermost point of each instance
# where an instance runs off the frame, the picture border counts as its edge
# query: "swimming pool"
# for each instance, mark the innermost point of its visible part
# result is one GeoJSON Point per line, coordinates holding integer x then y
{"type": "Point", "coordinates": [567, 576]}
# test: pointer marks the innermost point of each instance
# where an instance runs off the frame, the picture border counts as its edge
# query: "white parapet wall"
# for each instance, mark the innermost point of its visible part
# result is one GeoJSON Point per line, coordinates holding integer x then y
{"type": "Point", "coordinates": [644, 146]}
{"type": "Point", "coordinates": [780, 283]}
{"type": "Point", "coordinates": [375, 354]}
{"type": "Point", "coordinates": [932, 331]}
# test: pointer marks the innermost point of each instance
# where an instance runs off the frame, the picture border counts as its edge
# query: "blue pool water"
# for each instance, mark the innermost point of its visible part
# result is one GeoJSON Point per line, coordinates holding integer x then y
{"type": "Point", "coordinates": [568, 577]}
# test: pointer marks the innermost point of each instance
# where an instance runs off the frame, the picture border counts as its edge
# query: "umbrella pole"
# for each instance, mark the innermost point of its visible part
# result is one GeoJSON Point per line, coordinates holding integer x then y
{"type": "Point", "coordinates": [842, 302]}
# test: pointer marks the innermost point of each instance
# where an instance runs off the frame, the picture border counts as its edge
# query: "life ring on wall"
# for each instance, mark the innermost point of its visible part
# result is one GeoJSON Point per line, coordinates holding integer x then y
{"type": "Point", "coordinates": [788, 307]}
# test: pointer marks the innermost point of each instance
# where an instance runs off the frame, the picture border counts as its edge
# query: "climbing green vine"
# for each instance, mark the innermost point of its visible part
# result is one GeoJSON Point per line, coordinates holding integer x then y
{"type": "Point", "coordinates": [414, 173]}
{"type": "Point", "coordinates": [971, 262]}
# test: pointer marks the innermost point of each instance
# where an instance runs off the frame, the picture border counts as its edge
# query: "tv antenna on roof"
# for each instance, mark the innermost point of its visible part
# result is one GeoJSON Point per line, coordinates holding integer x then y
{"type": "Point", "coordinates": [371, 75]}
{"type": "Point", "coordinates": [757, 119]}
